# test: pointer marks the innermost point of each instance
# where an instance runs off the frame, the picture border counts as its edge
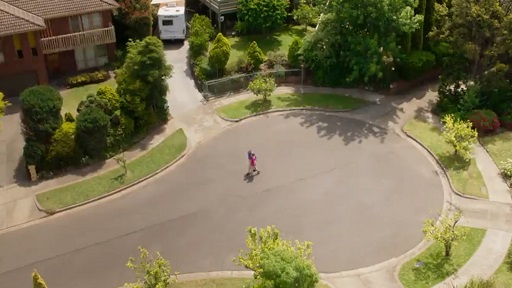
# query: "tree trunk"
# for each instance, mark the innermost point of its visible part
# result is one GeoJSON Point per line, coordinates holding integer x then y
{"type": "Point", "coordinates": [447, 249]}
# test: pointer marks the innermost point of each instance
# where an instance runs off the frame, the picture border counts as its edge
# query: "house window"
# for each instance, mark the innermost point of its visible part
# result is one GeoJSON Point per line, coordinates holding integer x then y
{"type": "Point", "coordinates": [167, 23]}
{"type": "Point", "coordinates": [91, 56]}
{"type": "Point", "coordinates": [32, 43]}
{"type": "Point", "coordinates": [80, 23]}
{"type": "Point", "coordinates": [17, 46]}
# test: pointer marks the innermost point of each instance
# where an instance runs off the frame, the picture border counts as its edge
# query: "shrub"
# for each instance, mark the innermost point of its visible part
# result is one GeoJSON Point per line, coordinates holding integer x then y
{"type": "Point", "coordinates": [91, 131]}
{"type": "Point", "coordinates": [255, 56]}
{"type": "Point", "coordinates": [506, 121]}
{"type": "Point", "coordinates": [242, 64]}
{"type": "Point", "coordinates": [128, 125]}
{"type": "Point", "coordinates": [484, 121]}
{"type": "Point", "coordinates": [90, 101]}
{"type": "Point", "coordinates": [506, 170]}
{"type": "Point", "coordinates": [201, 31]}
{"type": "Point", "coordinates": [63, 151]}
{"type": "Point", "coordinates": [68, 117]}
{"type": "Point", "coordinates": [34, 153]}
{"type": "Point", "coordinates": [111, 98]}
{"type": "Point", "coordinates": [88, 78]}
{"type": "Point", "coordinates": [276, 58]}
{"type": "Point", "coordinates": [252, 20]}
{"type": "Point", "coordinates": [442, 51]}
{"type": "Point", "coordinates": [459, 135]}
{"type": "Point", "coordinates": [40, 110]}
{"type": "Point", "coordinates": [415, 64]}
{"type": "Point", "coordinates": [294, 56]}
{"type": "Point", "coordinates": [263, 86]}
{"type": "Point", "coordinates": [450, 95]}
{"type": "Point", "coordinates": [218, 56]}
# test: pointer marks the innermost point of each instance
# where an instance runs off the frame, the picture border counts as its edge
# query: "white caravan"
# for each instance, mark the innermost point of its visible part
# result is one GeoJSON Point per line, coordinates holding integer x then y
{"type": "Point", "coordinates": [172, 24]}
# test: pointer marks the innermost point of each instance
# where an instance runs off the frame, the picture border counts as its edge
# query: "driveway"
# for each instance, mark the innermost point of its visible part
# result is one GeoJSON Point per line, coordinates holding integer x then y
{"type": "Point", "coordinates": [12, 167]}
{"type": "Point", "coordinates": [357, 191]}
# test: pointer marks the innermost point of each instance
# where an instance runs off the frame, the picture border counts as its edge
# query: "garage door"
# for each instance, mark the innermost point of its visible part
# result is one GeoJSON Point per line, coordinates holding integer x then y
{"type": "Point", "coordinates": [13, 85]}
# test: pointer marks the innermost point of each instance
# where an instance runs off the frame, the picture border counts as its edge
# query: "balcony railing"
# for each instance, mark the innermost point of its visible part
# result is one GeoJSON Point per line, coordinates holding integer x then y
{"type": "Point", "coordinates": [80, 39]}
{"type": "Point", "coordinates": [222, 6]}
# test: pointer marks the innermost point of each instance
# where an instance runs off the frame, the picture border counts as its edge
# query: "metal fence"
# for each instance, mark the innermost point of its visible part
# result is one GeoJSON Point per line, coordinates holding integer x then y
{"type": "Point", "coordinates": [239, 83]}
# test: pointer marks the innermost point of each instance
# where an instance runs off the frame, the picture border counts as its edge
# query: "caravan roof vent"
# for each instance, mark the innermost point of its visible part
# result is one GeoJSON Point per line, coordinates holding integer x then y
{"type": "Point", "coordinates": [171, 4]}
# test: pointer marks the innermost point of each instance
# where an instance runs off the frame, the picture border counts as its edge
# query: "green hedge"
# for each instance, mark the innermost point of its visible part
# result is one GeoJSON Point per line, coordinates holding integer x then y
{"type": "Point", "coordinates": [415, 64]}
{"type": "Point", "coordinates": [88, 78]}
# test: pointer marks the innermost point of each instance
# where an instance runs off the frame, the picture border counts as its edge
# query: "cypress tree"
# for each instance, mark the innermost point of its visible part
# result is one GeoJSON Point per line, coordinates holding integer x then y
{"type": "Point", "coordinates": [428, 21]}
{"type": "Point", "coordinates": [417, 43]}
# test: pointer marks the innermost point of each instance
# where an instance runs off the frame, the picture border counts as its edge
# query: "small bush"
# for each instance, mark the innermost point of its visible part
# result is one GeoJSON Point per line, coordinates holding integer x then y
{"type": "Point", "coordinates": [484, 121]}
{"type": "Point", "coordinates": [34, 153]}
{"type": "Point", "coordinates": [110, 96]}
{"type": "Point", "coordinates": [241, 64]}
{"type": "Point", "coordinates": [276, 58]}
{"type": "Point", "coordinates": [255, 56]}
{"type": "Point", "coordinates": [68, 117]}
{"type": "Point", "coordinates": [63, 151]}
{"type": "Point", "coordinates": [92, 101]}
{"type": "Point", "coordinates": [450, 95]}
{"type": "Point", "coordinates": [294, 56]}
{"type": "Point", "coordinates": [506, 170]}
{"type": "Point", "coordinates": [92, 126]}
{"type": "Point", "coordinates": [415, 64]}
{"type": "Point", "coordinates": [88, 78]}
{"type": "Point", "coordinates": [506, 121]}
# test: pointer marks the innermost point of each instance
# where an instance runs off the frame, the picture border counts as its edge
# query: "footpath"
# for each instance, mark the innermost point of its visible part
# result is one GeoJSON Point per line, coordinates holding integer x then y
{"type": "Point", "coordinates": [17, 202]}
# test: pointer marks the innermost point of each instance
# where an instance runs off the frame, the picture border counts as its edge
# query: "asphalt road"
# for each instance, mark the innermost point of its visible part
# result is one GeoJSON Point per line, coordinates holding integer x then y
{"type": "Point", "coordinates": [359, 193]}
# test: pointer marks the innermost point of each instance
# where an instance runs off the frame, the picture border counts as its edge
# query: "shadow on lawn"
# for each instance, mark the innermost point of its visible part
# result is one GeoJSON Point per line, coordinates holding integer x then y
{"type": "Point", "coordinates": [454, 162]}
{"type": "Point", "coordinates": [259, 105]}
{"type": "Point", "coordinates": [435, 266]}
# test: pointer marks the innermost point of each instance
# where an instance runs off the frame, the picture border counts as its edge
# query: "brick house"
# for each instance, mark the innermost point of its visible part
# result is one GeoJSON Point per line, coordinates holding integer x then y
{"type": "Point", "coordinates": [43, 39]}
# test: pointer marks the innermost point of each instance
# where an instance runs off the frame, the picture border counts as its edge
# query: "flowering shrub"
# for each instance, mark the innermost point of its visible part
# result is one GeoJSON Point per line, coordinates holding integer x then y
{"type": "Point", "coordinates": [506, 168]}
{"type": "Point", "coordinates": [506, 121]}
{"type": "Point", "coordinates": [484, 121]}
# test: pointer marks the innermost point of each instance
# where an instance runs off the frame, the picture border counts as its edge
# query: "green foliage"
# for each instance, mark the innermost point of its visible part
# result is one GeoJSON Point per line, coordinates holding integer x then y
{"type": "Point", "coordinates": [40, 113]}
{"type": "Point", "coordinates": [306, 14]}
{"type": "Point", "coordinates": [506, 121]}
{"type": "Point", "coordinates": [150, 272]}
{"type": "Point", "coordinates": [263, 241]}
{"type": "Point", "coordinates": [91, 131]}
{"type": "Point", "coordinates": [460, 135]}
{"type": "Point", "coordinates": [37, 280]}
{"type": "Point", "coordinates": [469, 101]}
{"type": "Point", "coordinates": [495, 89]}
{"type": "Point", "coordinates": [109, 95]}
{"type": "Point", "coordinates": [261, 16]}
{"type": "Point", "coordinates": [363, 52]}
{"type": "Point", "coordinates": [141, 82]}
{"type": "Point", "coordinates": [416, 64]}
{"type": "Point", "coordinates": [506, 170]}
{"type": "Point", "coordinates": [133, 21]}
{"type": "Point", "coordinates": [417, 40]}
{"type": "Point", "coordinates": [450, 95]}
{"type": "Point", "coordinates": [284, 268]}
{"type": "Point", "coordinates": [62, 151]}
{"type": "Point", "coordinates": [428, 20]}
{"type": "Point", "coordinates": [480, 283]}
{"type": "Point", "coordinates": [68, 117]}
{"type": "Point", "coordinates": [276, 59]}
{"type": "Point", "coordinates": [484, 121]}
{"type": "Point", "coordinates": [446, 232]}
{"type": "Point", "coordinates": [255, 56]}
{"type": "Point", "coordinates": [127, 125]}
{"type": "Point", "coordinates": [88, 78]}
{"type": "Point", "coordinates": [3, 104]}
{"type": "Point", "coordinates": [201, 31]}
{"type": "Point", "coordinates": [294, 52]}
{"type": "Point", "coordinates": [218, 55]}
{"type": "Point", "coordinates": [90, 101]}
{"type": "Point", "coordinates": [34, 153]}
{"type": "Point", "coordinates": [263, 86]}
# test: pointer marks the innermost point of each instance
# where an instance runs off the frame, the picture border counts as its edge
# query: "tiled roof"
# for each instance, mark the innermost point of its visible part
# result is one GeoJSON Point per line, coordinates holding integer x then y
{"type": "Point", "coordinates": [14, 20]}
{"type": "Point", "coordinates": [48, 9]}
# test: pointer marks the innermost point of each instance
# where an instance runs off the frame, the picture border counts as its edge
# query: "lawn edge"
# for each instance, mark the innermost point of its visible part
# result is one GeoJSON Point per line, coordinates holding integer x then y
{"type": "Point", "coordinates": [136, 182]}
{"type": "Point", "coordinates": [441, 165]}
{"type": "Point", "coordinates": [308, 109]}
{"type": "Point", "coordinates": [507, 181]}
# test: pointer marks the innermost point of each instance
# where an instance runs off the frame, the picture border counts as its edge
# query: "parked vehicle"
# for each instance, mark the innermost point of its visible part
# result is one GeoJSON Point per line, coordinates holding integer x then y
{"type": "Point", "coordinates": [172, 23]}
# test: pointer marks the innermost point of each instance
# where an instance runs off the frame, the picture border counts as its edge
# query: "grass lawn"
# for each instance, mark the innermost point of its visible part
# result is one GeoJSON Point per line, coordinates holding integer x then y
{"type": "Point", "coordinates": [499, 147]}
{"type": "Point", "coordinates": [278, 41]}
{"type": "Point", "coordinates": [436, 267]}
{"type": "Point", "coordinates": [503, 276]}
{"type": "Point", "coordinates": [72, 97]}
{"type": "Point", "coordinates": [318, 100]}
{"type": "Point", "coordinates": [465, 176]}
{"type": "Point", "coordinates": [151, 161]}
{"type": "Point", "coordinates": [223, 283]}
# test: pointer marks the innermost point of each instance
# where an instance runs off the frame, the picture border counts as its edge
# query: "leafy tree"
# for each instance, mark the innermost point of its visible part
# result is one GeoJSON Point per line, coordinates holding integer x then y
{"type": "Point", "coordinates": [40, 112]}
{"type": "Point", "coordinates": [263, 86]}
{"type": "Point", "coordinates": [133, 21]}
{"type": "Point", "coordinates": [91, 131]}
{"type": "Point", "coordinates": [255, 56]}
{"type": "Point", "coordinates": [219, 53]}
{"type": "Point", "coordinates": [283, 268]}
{"type": "Point", "coordinates": [306, 14]}
{"type": "Point", "coordinates": [261, 16]}
{"type": "Point", "coordinates": [37, 280]}
{"type": "Point", "coordinates": [409, 26]}
{"type": "Point", "coordinates": [142, 84]}
{"type": "Point", "coordinates": [151, 272]}
{"type": "Point", "coordinates": [294, 56]}
{"type": "Point", "coordinates": [201, 31]}
{"type": "Point", "coordinates": [419, 33]}
{"type": "Point", "coordinates": [428, 20]}
{"type": "Point", "coordinates": [446, 232]}
{"type": "Point", "coordinates": [263, 241]}
{"type": "Point", "coordinates": [109, 95]}
{"type": "Point", "coordinates": [362, 52]}
{"type": "Point", "coordinates": [459, 134]}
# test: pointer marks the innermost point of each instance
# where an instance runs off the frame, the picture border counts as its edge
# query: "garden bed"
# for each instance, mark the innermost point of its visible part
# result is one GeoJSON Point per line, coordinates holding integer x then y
{"type": "Point", "coordinates": [255, 105]}
{"type": "Point", "coordinates": [465, 176]}
{"type": "Point", "coordinates": [435, 266]}
{"type": "Point", "coordinates": [153, 160]}
{"type": "Point", "coordinates": [499, 147]}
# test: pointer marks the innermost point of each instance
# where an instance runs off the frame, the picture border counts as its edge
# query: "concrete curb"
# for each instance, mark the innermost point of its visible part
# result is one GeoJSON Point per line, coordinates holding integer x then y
{"type": "Point", "coordinates": [283, 110]}
{"type": "Point", "coordinates": [507, 181]}
{"type": "Point", "coordinates": [442, 167]}
{"type": "Point", "coordinates": [51, 212]}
